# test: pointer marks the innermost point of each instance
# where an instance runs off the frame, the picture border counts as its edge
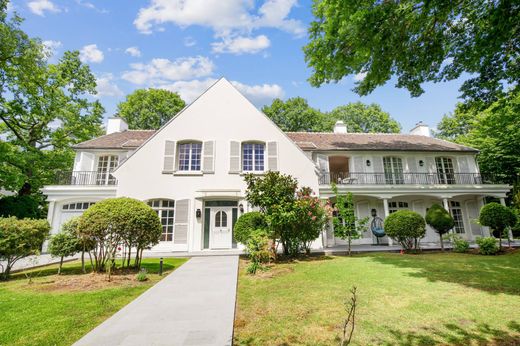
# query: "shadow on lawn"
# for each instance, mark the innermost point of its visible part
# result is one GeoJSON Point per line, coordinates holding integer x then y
{"type": "Point", "coordinates": [493, 274]}
{"type": "Point", "coordinates": [481, 334]}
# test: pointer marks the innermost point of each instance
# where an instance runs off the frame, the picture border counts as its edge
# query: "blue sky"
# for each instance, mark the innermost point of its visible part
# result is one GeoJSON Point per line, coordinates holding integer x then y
{"type": "Point", "coordinates": [184, 45]}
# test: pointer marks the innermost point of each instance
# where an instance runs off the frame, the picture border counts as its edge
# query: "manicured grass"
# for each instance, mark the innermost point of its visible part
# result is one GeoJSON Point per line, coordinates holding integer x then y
{"type": "Point", "coordinates": [41, 314]}
{"type": "Point", "coordinates": [426, 299]}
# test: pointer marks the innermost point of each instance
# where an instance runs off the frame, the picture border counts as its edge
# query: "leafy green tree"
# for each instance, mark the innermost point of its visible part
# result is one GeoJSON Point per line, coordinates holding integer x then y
{"type": "Point", "coordinates": [494, 131]}
{"type": "Point", "coordinates": [497, 217]}
{"type": "Point", "coordinates": [23, 206]}
{"type": "Point", "coordinates": [114, 221]}
{"type": "Point", "coordinates": [19, 239]}
{"type": "Point", "coordinates": [63, 244]}
{"type": "Point", "coordinates": [440, 220]}
{"type": "Point", "coordinates": [417, 42]}
{"type": "Point", "coordinates": [275, 193]}
{"type": "Point", "coordinates": [346, 224]}
{"type": "Point", "coordinates": [44, 109]}
{"type": "Point", "coordinates": [295, 114]}
{"type": "Point", "coordinates": [248, 223]}
{"type": "Point", "coordinates": [406, 227]}
{"type": "Point", "coordinates": [149, 109]}
{"type": "Point", "coordinates": [360, 117]}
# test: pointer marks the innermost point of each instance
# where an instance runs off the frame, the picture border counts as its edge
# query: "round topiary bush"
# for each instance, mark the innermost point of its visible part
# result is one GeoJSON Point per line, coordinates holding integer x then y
{"type": "Point", "coordinates": [440, 220]}
{"type": "Point", "coordinates": [406, 227]}
{"type": "Point", "coordinates": [246, 224]}
{"type": "Point", "coordinates": [497, 217]}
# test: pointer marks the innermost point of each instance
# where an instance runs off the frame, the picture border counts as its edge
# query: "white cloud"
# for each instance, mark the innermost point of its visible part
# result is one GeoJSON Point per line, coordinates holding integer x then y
{"type": "Point", "coordinates": [189, 41]}
{"type": "Point", "coordinates": [133, 51]}
{"type": "Point", "coordinates": [39, 7]}
{"type": "Point", "coordinates": [160, 71]}
{"type": "Point", "coordinates": [91, 6]}
{"type": "Point", "coordinates": [224, 17]}
{"type": "Point", "coordinates": [360, 76]}
{"type": "Point", "coordinates": [258, 94]}
{"type": "Point", "coordinates": [106, 86]}
{"type": "Point", "coordinates": [51, 47]}
{"type": "Point", "coordinates": [91, 53]}
{"type": "Point", "coordinates": [241, 45]}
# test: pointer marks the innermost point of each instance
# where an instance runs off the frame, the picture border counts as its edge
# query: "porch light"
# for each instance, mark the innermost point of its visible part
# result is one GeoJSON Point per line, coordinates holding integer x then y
{"type": "Point", "coordinates": [368, 163]}
{"type": "Point", "coordinates": [421, 163]}
{"type": "Point", "coordinates": [241, 208]}
{"type": "Point", "coordinates": [198, 213]}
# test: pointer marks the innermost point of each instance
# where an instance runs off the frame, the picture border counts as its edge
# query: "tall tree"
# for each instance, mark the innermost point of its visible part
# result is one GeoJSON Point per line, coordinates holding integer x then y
{"type": "Point", "coordinates": [417, 41]}
{"type": "Point", "coordinates": [44, 108]}
{"type": "Point", "coordinates": [149, 109]}
{"type": "Point", "coordinates": [360, 117]}
{"type": "Point", "coordinates": [295, 114]}
{"type": "Point", "coordinates": [494, 131]}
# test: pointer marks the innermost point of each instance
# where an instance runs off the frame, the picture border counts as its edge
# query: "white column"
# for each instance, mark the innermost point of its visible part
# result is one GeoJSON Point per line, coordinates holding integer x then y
{"type": "Point", "coordinates": [480, 203]}
{"type": "Point", "coordinates": [387, 212]}
{"type": "Point", "coordinates": [445, 204]}
{"type": "Point", "coordinates": [509, 231]}
{"type": "Point", "coordinates": [50, 219]}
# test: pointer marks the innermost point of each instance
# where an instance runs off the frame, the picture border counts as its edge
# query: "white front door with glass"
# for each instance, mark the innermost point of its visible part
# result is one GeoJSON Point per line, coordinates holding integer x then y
{"type": "Point", "coordinates": [221, 228]}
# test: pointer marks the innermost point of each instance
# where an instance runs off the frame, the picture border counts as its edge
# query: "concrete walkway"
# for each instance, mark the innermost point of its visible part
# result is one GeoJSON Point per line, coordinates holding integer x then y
{"type": "Point", "coordinates": [194, 305]}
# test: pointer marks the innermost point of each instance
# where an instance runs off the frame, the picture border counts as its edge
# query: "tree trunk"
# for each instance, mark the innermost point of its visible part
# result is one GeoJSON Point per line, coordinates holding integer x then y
{"type": "Point", "coordinates": [61, 264]}
{"type": "Point", "coordinates": [442, 243]}
{"type": "Point", "coordinates": [129, 257]}
{"type": "Point", "coordinates": [83, 259]}
{"type": "Point", "coordinates": [349, 241]}
{"type": "Point", "coordinates": [91, 263]}
{"type": "Point", "coordinates": [500, 233]}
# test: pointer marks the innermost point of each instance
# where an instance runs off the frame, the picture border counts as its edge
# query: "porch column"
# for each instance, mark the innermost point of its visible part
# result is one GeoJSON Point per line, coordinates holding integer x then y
{"type": "Point", "coordinates": [387, 212]}
{"type": "Point", "coordinates": [481, 202]}
{"type": "Point", "coordinates": [509, 231]}
{"type": "Point", "coordinates": [50, 219]}
{"type": "Point", "coordinates": [445, 204]}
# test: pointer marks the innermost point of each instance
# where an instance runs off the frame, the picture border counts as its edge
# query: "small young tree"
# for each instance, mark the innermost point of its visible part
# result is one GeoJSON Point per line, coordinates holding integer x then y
{"type": "Point", "coordinates": [498, 218]}
{"type": "Point", "coordinates": [85, 243]}
{"type": "Point", "coordinates": [63, 244]}
{"type": "Point", "coordinates": [114, 221]}
{"type": "Point", "coordinates": [311, 215]}
{"type": "Point", "coordinates": [246, 224]}
{"type": "Point", "coordinates": [406, 227]}
{"type": "Point", "coordinates": [346, 224]}
{"type": "Point", "coordinates": [19, 239]}
{"type": "Point", "coordinates": [440, 220]}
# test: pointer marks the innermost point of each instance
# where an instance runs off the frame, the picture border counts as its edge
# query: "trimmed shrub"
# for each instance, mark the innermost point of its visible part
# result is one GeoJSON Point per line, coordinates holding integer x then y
{"type": "Point", "coordinates": [487, 245]}
{"type": "Point", "coordinates": [119, 220]}
{"type": "Point", "coordinates": [406, 227]}
{"type": "Point", "coordinates": [142, 275]}
{"type": "Point", "coordinates": [258, 250]}
{"type": "Point", "coordinates": [246, 224]}
{"type": "Point", "coordinates": [440, 220]}
{"type": "Point", "coordinates": [498, 218]}
{"type": "Point", "coordinates": [459, 244]}
{"type": "Point", "coordinates": [64, 244]}
{"type": "Point", "coordinates": [19, 239]}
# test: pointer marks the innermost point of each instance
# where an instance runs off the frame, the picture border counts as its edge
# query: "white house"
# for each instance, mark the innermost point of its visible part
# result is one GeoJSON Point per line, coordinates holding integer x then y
{"type": "Point", "coordinates": [191, 171]}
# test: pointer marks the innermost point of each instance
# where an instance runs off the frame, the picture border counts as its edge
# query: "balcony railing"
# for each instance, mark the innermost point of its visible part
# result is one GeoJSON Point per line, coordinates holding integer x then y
{"type": "Point", "coordinates": [351, 178]}
{"type": "Point", "coordinates": [84, 178]}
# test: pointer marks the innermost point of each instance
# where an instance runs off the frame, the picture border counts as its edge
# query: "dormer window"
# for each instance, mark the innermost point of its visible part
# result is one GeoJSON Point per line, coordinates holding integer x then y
{"type": "Point", "coordinates": [253, 157]}
{"type": "Point", "coordinates": [189, 156]}
{"type": "Point", "coordinates": [106, 164]}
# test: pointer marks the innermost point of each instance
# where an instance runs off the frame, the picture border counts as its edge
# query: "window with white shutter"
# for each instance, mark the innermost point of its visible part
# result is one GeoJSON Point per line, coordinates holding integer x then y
{"type": "Point", "coordinates": [208, 161]}
{"type": "Point", "coordinates": [234, 157]}
{"type": "Point", "coordinates": [272, 156]}
{"type": "Point", "coordinates": [169, 156]}
{"type": "Point", "coordinates": [182, 209]}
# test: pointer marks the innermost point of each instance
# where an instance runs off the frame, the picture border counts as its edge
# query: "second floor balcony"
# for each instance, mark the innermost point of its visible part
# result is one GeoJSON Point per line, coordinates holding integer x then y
{"type": "Point", "coordinates": [85, 178]}
{"type": "Point", "coordinates": [352, 178]}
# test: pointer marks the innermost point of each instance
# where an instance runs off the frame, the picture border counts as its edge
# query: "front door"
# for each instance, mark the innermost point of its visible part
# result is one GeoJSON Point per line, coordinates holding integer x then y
{"type": "Point", "coordinates": [221, 228]}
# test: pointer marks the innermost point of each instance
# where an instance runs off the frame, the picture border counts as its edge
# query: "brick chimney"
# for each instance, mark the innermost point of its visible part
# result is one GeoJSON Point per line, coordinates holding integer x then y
{"type": "Point", "coordinates": [340, 127]}
{"type": "Point", "coordinates": [116, 124]}
{"type": "Point", "coordinates": [421, 129]}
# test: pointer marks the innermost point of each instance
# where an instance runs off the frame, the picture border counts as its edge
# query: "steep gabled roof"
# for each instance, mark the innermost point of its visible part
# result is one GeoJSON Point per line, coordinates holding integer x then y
{"type": "Point", "coordinates": [373, 141]}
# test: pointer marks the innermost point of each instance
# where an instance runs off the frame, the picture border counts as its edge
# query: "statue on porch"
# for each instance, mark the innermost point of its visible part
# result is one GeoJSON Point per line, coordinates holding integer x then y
{"type": "Point", "coordinates": [377, 226]}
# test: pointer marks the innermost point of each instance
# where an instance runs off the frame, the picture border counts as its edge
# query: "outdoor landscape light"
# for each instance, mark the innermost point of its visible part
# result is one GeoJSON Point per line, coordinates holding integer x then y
{"type": "Point", "coordinates": [368, 163]}
{"type": "Point", "coordinates": [198, 213]}
{"type": "Point", "coordinates": [241, 208]}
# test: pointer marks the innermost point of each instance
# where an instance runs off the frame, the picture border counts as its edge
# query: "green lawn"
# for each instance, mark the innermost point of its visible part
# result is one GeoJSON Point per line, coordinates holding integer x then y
{"type": "Point", "coordinates": [41, 314]}
{"type": "Point", "coordinates": [426, 299]}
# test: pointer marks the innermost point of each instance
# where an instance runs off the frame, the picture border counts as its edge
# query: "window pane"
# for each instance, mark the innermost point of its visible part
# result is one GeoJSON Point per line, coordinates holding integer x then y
{"type": "Point", "coordinates": [217, 219]}
{"type": "Point", "coordinates": [184, 157]}
{"type": "Point", "coordinates": [247, 157]}
{"type": "Point", "coordinates": [196, 149]}
{"type": "Point", "coordinates": [259, 157]}
{"type": "Point", "coordinates": [224, 219]}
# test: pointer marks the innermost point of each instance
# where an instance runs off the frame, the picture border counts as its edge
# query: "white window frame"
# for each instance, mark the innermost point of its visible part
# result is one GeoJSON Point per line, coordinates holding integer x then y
{"type": "Point", "coordinates": [103, 171]}
{"type": "Point", "coordinates": [445, 173]}
{"type": "Point", "coordinates": [254, 163]}
{"type": "Point", "coordinates": [165, 209]}
{"type": "Point", "coordinates": [458, 216]}
{"type": "Point", "coordinates": [191, 156]}
{"type": "Point", "coordinates": [76, 206]}
{"type": "Point", "coordinates": [394, 206]}
{"type": "Point", "coordinates": [395, 174]}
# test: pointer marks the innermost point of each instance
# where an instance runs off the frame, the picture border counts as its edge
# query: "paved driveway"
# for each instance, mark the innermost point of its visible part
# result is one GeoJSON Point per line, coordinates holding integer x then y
{"type": "Point", "coordinates": [194, 305]}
